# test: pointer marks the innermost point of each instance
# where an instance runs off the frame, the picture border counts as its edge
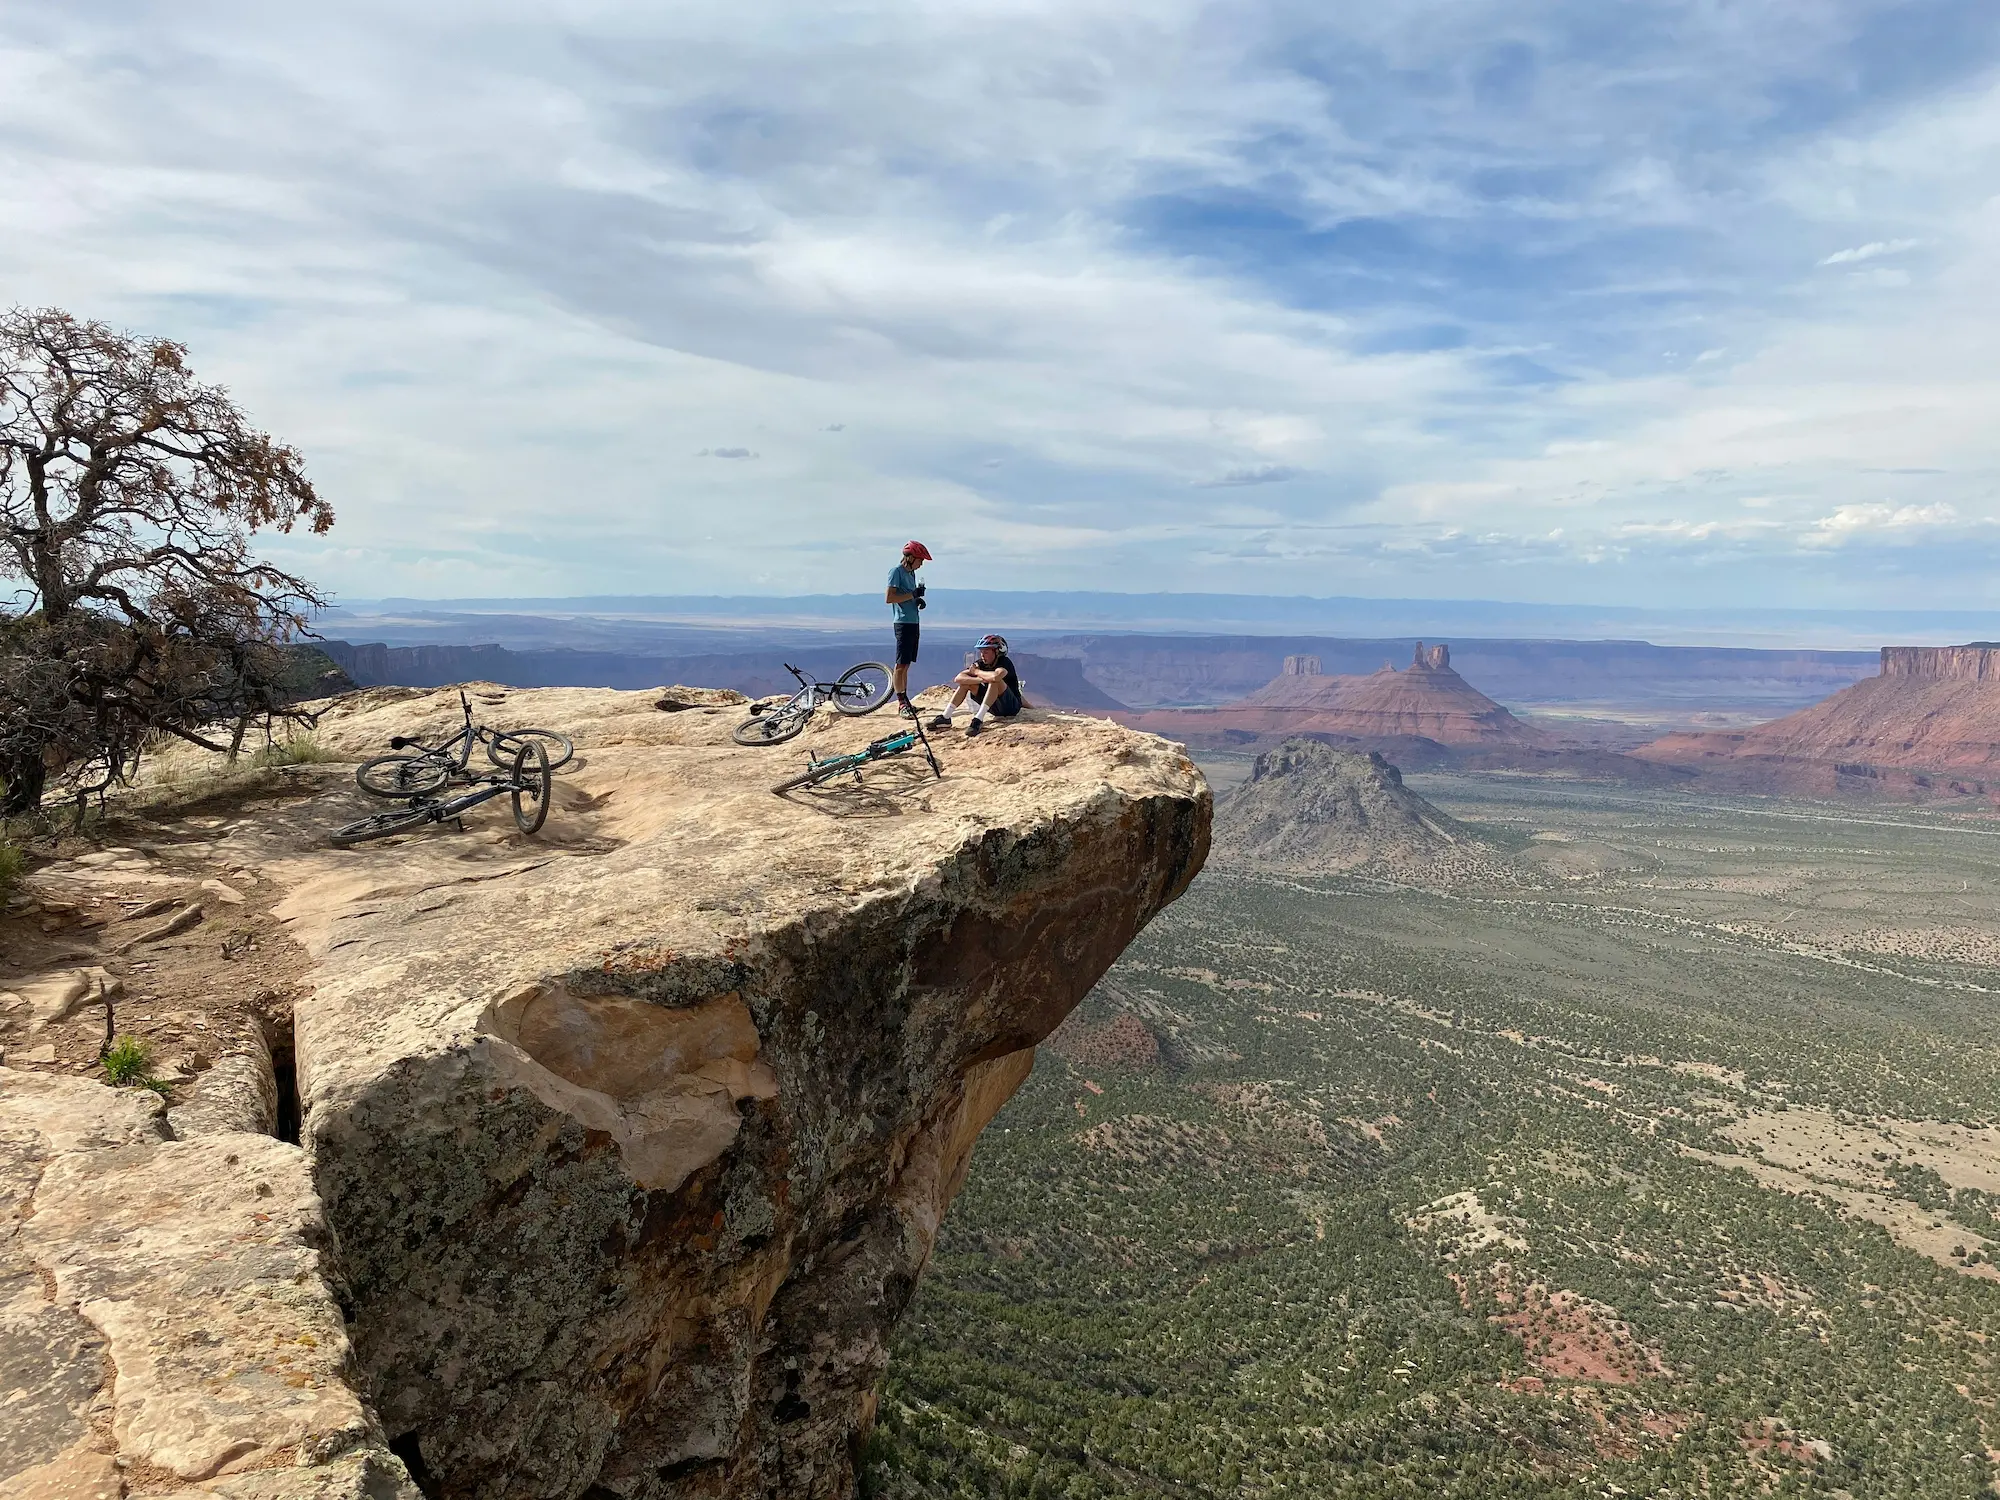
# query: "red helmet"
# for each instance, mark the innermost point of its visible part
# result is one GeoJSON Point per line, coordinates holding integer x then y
{"type": "Point", "coordinates": [918, 548]}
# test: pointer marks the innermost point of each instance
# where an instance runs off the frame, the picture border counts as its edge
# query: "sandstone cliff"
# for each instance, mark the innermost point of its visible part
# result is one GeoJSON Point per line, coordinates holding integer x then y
{"type": "Point", "coordinates": [628, 1143]}
{"type": "Point", "coordinates": [1426, 704]}
{"type": "Point", "coordinates": [1929, 724]}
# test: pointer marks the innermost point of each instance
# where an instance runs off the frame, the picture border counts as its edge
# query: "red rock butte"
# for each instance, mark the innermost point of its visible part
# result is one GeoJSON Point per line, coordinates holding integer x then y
{"type": "Point", "coordinates": [1930, 722]}
{"type": "Point", "coordinates": [1426, 700]}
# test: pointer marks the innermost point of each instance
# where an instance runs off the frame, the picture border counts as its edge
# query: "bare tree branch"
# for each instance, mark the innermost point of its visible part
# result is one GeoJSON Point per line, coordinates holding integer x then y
{"type": "Point", "coordinates": [129, 493]}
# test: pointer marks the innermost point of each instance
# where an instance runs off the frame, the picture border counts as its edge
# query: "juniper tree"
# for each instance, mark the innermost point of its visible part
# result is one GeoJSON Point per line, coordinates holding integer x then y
{"type": "Point", "coordinates": [129, 494]}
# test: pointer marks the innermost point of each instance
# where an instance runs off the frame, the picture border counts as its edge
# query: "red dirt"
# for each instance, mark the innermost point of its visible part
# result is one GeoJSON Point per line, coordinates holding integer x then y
{"type": "Point", "coordinates": [1767, 1436]}
{"type": "Point", "coordinates": [1123, 1042]}
{"type": "Point", "coordinates": [1567, 1336]}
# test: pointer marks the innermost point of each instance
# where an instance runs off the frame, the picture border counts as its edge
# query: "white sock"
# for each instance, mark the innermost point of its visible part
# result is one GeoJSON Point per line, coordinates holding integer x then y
{"type": "Point", "coordinates": [979, 709]}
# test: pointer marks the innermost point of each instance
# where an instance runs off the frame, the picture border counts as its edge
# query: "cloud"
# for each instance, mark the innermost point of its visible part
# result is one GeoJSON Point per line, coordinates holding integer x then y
{"type": "Point", "coordinates": [1869, 251]}
{"type": "Point", "coordinates": [1254, 474]}
{"type": "Point", "coordinates": [1848, 524]}
{"type": "Point", "coordinates": [1384, 255]}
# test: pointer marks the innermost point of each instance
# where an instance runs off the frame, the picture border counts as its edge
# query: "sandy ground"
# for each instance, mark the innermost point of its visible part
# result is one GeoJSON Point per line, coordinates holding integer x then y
{"type": "Point", "coordinates": [1810, 1151]}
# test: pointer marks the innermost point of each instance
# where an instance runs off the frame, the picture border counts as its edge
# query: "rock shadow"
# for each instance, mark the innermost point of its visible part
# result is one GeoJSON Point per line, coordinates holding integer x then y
{"type": "Point", "coordinates": [885, 790]}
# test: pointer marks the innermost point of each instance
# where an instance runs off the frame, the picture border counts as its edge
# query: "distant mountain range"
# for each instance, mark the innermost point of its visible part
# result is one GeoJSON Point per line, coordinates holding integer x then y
{"type": "Point", "coordinates": [1048, 682]}
{"type": "Point", "coordinates": [590, 620]}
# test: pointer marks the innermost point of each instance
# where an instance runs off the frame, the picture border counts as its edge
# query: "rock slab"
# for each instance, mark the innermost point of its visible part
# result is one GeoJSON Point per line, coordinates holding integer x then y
{"type": "Point", "coordinates": [166, 1310]}
{"type": "Point", "coordinates": [635, 1138]}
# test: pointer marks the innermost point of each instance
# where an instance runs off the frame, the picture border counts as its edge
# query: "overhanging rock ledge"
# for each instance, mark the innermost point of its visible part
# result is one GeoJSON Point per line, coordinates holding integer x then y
{"type": "Point", "coordinates": [635, 1138]}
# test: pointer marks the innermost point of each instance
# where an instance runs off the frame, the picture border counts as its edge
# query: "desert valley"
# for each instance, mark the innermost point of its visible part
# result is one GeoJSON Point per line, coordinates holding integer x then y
{"type": "Point", "coordinates": [1498, 1111]}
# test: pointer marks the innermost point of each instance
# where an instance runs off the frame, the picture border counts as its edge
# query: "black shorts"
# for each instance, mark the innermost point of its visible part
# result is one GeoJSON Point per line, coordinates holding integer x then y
{"type": "Point", "coordinates": [1004, 707]}
{"type": "Point", "coordinates": [906, 642]}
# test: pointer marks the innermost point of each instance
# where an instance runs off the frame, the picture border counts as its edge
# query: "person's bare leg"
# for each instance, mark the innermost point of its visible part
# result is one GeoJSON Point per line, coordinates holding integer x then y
{"type": "Point", "coordinates": [962, 684]}
{"type": "Point", "coordinates": [996, 684]}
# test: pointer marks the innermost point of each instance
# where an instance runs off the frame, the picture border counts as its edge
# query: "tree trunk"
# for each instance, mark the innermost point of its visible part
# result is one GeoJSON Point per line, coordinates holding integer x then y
{"type": "Point", "coordinates": [24, 777]}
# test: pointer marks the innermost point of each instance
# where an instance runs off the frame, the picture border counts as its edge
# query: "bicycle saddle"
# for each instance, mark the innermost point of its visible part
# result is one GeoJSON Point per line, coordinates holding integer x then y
{"type": "Point", "coordinates": [397, 742]}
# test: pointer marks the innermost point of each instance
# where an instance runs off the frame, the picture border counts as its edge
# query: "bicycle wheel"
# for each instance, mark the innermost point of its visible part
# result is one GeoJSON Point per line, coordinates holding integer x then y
{"type": "Point", "coordinates": [532, 786]}
{"type": "Point", "coordinates": [503, 747]}
{"type": "Point", "coordinates": [401, 775]}
{"type": "Point", "coordinates": [382, 826]}
{"type": "Point", "coordinates": [774, 728]}
{"type": "Point", "coordinates": [861, 689]}
{"type": "Point", "coordinates": [813, 776]}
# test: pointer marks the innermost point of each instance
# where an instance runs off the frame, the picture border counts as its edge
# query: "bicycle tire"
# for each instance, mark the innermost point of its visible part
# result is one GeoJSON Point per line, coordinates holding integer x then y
{"type": "Point", "coordinates": [401, 776]}
{"type": "Point", "coordinates": [501, 747]}
{"type": "Point", "coordinates": [382, 826]}
{"type": "Point", "coordinates": [773, 728]}
{"type": "Point", "coordinates": [812, 776]}
{"type": "Point", "coordinates": [875, 676]}
{"type": "Point", "coordinates": [541, 791]}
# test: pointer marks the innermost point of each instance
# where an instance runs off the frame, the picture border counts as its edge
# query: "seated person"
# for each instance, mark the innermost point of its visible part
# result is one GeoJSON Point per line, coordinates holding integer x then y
{"type": "Point", "coordinates": [992, 684]}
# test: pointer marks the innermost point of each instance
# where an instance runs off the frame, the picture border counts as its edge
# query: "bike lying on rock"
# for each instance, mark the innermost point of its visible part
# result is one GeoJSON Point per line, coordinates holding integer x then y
{"type": "Point", "coordinates": [527, 778]}
{"type": "Point", "coordinates": [433, 766]}
{"type": "Point", "coordinates": [861, 689]}
{"type": "Point", "coordinates": [900, 743]}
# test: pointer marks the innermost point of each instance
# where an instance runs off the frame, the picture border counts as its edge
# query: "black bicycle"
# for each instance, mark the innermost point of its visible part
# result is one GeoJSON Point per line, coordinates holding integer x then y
{"type": "Point", "coordinates": [900, 743]}
{"type": "Point", "coordinates": [528, 779]}
{"type": "Point", "coordinates": [861, 689]}
{"type": "Point", "coordinates": [433, 766]}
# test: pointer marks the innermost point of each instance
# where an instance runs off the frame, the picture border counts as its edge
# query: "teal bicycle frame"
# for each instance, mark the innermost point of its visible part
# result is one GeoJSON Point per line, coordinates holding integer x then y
{"type": "Point", "coordinates": [834, 765]}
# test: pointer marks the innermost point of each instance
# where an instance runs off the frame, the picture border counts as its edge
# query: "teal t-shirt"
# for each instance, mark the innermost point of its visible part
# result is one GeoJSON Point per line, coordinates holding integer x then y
{"type": "Point", "coordinates": [905, 580]}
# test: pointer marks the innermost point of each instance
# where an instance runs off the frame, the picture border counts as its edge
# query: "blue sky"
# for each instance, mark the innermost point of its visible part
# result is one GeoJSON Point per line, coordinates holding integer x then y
{"type": "Point", "coordinates": [1674, 302]}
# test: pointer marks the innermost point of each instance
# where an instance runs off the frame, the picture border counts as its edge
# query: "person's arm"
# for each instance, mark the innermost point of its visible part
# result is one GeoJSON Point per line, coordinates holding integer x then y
{"type": "Point", "coordinates": [896, 596]}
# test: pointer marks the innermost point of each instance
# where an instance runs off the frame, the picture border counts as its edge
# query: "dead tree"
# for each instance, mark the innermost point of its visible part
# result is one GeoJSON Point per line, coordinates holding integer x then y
{"type": "Point", "coordinates": [129, 493]}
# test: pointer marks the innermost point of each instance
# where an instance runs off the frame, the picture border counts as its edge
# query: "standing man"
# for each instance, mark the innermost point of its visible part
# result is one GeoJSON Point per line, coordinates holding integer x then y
{"type": "Point", "coordinates": [906, 597]}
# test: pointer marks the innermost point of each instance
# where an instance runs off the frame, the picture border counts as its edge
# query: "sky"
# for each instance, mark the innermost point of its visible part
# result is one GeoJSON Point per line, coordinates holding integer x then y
{"type": "Point", "coordinates": [1679, 303]}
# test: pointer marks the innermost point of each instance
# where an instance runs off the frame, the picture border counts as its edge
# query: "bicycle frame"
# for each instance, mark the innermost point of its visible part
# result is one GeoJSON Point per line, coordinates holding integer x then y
{"type": "Point", "coordinates": [811, 694]}
{"type": "Point", "coordinates": [455, 752]}
{"type": "Point", "coordinates": [898, 743]}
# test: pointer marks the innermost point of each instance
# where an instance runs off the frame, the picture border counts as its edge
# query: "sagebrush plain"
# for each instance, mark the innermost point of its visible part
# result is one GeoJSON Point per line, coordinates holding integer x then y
{"type": "Point", "coordinates": [1665, 1166]}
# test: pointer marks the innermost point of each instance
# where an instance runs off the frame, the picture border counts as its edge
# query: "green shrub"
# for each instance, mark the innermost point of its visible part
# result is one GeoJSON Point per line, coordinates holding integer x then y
{"type": "Point", "coordinates": [128, 1064]}
{"type": "Point", "coordinates": [13, 862]}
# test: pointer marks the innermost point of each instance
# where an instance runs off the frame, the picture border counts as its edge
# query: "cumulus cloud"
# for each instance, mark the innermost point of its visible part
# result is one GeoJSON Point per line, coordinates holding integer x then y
{"type": "Point", "coordinates": [1851, 523]}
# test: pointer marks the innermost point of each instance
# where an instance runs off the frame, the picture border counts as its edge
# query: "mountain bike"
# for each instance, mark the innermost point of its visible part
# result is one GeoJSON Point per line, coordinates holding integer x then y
{"type": "Point", "coordinates": [900, 743]}
{"type": "Point", "coordinates": [861, 689]}
{"type": "Point", "coordinates": [527, 779]}
{"type": "Point", "coordinates": [433, 766]}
